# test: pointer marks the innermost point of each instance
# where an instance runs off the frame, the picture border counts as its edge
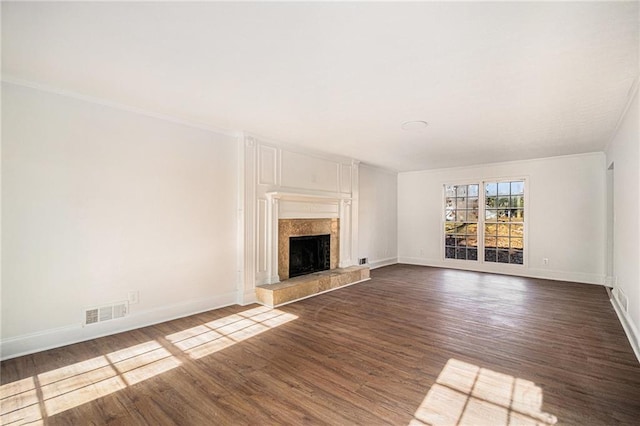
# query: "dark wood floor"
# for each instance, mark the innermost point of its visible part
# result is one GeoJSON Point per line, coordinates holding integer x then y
{"type": "Point", "coordinates": [414, 345]}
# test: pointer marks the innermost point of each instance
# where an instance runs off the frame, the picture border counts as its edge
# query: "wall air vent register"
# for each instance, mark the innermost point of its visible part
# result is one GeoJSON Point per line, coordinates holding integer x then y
{"type": "Point", "coordinates": [98, 314]}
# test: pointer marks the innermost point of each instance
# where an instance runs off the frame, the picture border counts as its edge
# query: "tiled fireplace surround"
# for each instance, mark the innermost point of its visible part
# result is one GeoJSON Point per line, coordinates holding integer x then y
{"type": "Point", "coordinates": [302, 227]}
{"type": "Point", "coordinates": [294, 214]}
{"type": "Point", "coordinates": [298, 214]}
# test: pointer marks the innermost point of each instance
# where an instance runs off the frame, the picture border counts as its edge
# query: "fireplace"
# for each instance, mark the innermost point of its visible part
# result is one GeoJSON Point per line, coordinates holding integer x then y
{"type": "Point", "coordinates": [303, 232]}
{"type": "Point", "coordinates": [308, 254]}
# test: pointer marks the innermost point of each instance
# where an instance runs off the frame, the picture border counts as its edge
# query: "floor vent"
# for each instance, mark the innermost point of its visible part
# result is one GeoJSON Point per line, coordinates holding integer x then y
{"type": "Point", "coordinates": [105, 313]}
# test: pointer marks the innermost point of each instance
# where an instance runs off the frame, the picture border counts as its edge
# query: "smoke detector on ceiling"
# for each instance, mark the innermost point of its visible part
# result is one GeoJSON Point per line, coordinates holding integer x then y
{"type": "Point", "coordinates": [414, 125]}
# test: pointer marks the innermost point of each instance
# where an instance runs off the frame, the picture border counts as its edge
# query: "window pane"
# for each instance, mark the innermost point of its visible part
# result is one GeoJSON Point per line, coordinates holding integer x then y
{"type": "Point", "coordinates": [491, 189]}
{"type": "Point", "coordinates": [472, 254]}
{"type": "Point", "coordinates": [517, 188]}
{"type": "Point", "coordinates": [450, 190]}
{"type": "Point", "coordinates": [461, 215]}
{"type": "Point", "coordinates": [503, 202]}
{"type": "Point", "coordinates": [472, 229]}
{"type": "Point", "coordinates": [491, 202]}
{"type": "Point", "coordinates": [490, 242]}
{"type": "Point", "coordinates": [450, 253]}
{"type": "Point", "coordinates": [517, 215]}
{"type": "Point", "coordinates": [503, 256]}
{"type": "Point", "coordinates": [503, 188]}
{"type": "Point", "coordinates": [516, 257]}
{"type": "Point", "coordinates": [472, 203]}
{"type": "Point", "coordinates": [472, 191]}
{"type": "Point", "coordinates": [472, 241]}
{"type": "Point", "coordinates": [490, 229]}
{"type": "Point", "coordinates": [516, 243]}
{"type": "Point", "coordinates": [449, 228]}
{"type": "Point", "coordinates": [472, 215]}
{"type": "Point", "coordinates": [461, 203]}
{"type": "Point", "coordinates": [517, 201]}
{"type": "Point", "coordinates": [459, 228]}
{"type": "Point", "coordinates": [449, 240]}
{"type": "Point", "coordinates": [450, 203]}
{"type": "Point", "coordinates": [491, 215]}
{"type": "Point", "coordinates": [489, 255]}
{"type": "Point", "coordinates": [503, 229]}
{"type": "Point", "coordinates": [450, 215]}
{"type": "Point", "coordinates": [517, 230]}
{"type": "Point", "coordinates": [503, 215]}
{"type": "Point", "coordinates": [461, 253]}
{"type": "Point", "coordinates": [461, 241]}
{"type": "Point", "coordinates": [503, 242]}
{"type": "Point", "coordinates": [461, 191]}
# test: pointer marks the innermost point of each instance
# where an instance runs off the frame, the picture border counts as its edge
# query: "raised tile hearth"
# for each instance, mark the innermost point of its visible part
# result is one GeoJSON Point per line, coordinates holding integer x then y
{"type": "Point", "coordinates": [297, 288]}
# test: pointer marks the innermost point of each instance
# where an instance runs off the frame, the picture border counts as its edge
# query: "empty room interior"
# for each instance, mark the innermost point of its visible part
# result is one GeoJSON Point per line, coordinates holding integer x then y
{"type": "Point", "coordinates": [420, 213]}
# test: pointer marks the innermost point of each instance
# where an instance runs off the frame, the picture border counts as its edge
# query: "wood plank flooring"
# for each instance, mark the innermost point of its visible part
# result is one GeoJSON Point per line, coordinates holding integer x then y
{"type": "Point", "coordinates": [415, 345]}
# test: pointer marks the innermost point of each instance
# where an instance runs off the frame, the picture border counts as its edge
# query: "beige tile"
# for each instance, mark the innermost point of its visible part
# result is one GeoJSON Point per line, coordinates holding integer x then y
{"type": "Point", "coordinates": [308, 285]}
{"type": "Point", "coordinates": [299, 227]}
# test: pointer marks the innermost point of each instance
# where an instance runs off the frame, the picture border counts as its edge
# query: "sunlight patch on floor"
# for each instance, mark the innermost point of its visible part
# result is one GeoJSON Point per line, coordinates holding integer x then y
{"type": "Point", "coordinates": [213, 336]}
{"type": "Point", "coordinates": [466, 394]}
{"type": "Point", "coordinates": [33, 399]}
{"type": "Point", "coordinates": [19, 403]}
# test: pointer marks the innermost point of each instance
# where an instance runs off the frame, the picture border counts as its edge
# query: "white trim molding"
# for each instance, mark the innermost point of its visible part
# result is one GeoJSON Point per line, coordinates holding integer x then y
{"type": "Point", "coordinates": [53, 338]}
{"type": "Point", "coordinates": [627, 324]}
{"type": "Point", "coordinates": [383, 262]}
{"type": "Point", "coordinates": [507, 269]}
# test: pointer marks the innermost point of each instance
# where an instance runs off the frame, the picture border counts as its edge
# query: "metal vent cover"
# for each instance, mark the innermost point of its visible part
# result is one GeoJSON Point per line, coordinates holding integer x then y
{"type": "Point", "coordinates": [91, 316]}
{"type": "Point", "coordinates": [103, 313]}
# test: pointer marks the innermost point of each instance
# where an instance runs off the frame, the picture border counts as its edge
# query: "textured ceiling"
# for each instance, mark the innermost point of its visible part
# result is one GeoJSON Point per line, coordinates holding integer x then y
{"type": "Point", "coordinates": [495, 81]}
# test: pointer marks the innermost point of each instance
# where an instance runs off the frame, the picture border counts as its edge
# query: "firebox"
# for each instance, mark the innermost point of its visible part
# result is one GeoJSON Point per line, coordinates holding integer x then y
{"type": "Point", "coordinates": [309, 253]}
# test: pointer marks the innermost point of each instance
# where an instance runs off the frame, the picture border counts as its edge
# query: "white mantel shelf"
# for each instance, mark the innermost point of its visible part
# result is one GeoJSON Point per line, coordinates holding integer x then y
{"type": "Point", "coordinates": [305, 196]}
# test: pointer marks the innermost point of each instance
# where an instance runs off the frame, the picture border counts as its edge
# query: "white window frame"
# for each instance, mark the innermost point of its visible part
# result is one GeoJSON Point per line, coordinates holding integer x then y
{"type": "Point", "coordinates": [481, 222]}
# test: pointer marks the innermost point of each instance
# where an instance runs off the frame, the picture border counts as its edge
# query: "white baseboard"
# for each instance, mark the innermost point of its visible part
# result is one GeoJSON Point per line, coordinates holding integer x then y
{"type": "Point", "coordinates": [53, 338]}
{"type": "Point", "coordinates": [383, 262]}
{"type": "Point", "coordinates": [248, 297]}
{"type": "Point", "coordinates": [505, 269]}
{"type": "Point", "coordinates": [627, 324]}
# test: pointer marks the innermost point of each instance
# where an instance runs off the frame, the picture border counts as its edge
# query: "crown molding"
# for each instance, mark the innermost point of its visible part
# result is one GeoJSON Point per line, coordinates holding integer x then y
{"type": "Point", "coordinates": [115, 105]}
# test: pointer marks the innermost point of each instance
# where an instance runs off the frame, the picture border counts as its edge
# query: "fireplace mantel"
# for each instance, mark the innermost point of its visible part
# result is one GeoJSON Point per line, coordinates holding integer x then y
{"type": "Point", "coordinates": [304, 196]}
{"type": "Point", "coordinates": [305, 205]}
{"type": "Point", "coordinates": [278, 182]}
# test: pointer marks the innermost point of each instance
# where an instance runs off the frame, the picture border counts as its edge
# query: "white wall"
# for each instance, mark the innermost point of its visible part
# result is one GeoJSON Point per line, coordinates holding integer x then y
{"type": "Point", "coordinates": [624, 153]}
{"type": "Point", "coordinates": [378, 216]}
{"type": "Point", "coordinates": [98, 202]}
{"type": "Point", "coordinates": [565, 219]}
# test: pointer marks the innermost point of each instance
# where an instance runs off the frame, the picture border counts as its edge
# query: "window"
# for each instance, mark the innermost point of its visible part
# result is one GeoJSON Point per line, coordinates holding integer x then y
{"type": "Point", "coordinates": [504, 222]}
{"type": "Point", "coordinates": [461, 222]}
{"type": "Point", "coordinates": [497, 211]}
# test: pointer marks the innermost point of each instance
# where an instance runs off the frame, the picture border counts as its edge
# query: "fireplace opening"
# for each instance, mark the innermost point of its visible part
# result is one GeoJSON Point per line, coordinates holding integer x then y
{"type": "Point", "coordinates": [309, 253]}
